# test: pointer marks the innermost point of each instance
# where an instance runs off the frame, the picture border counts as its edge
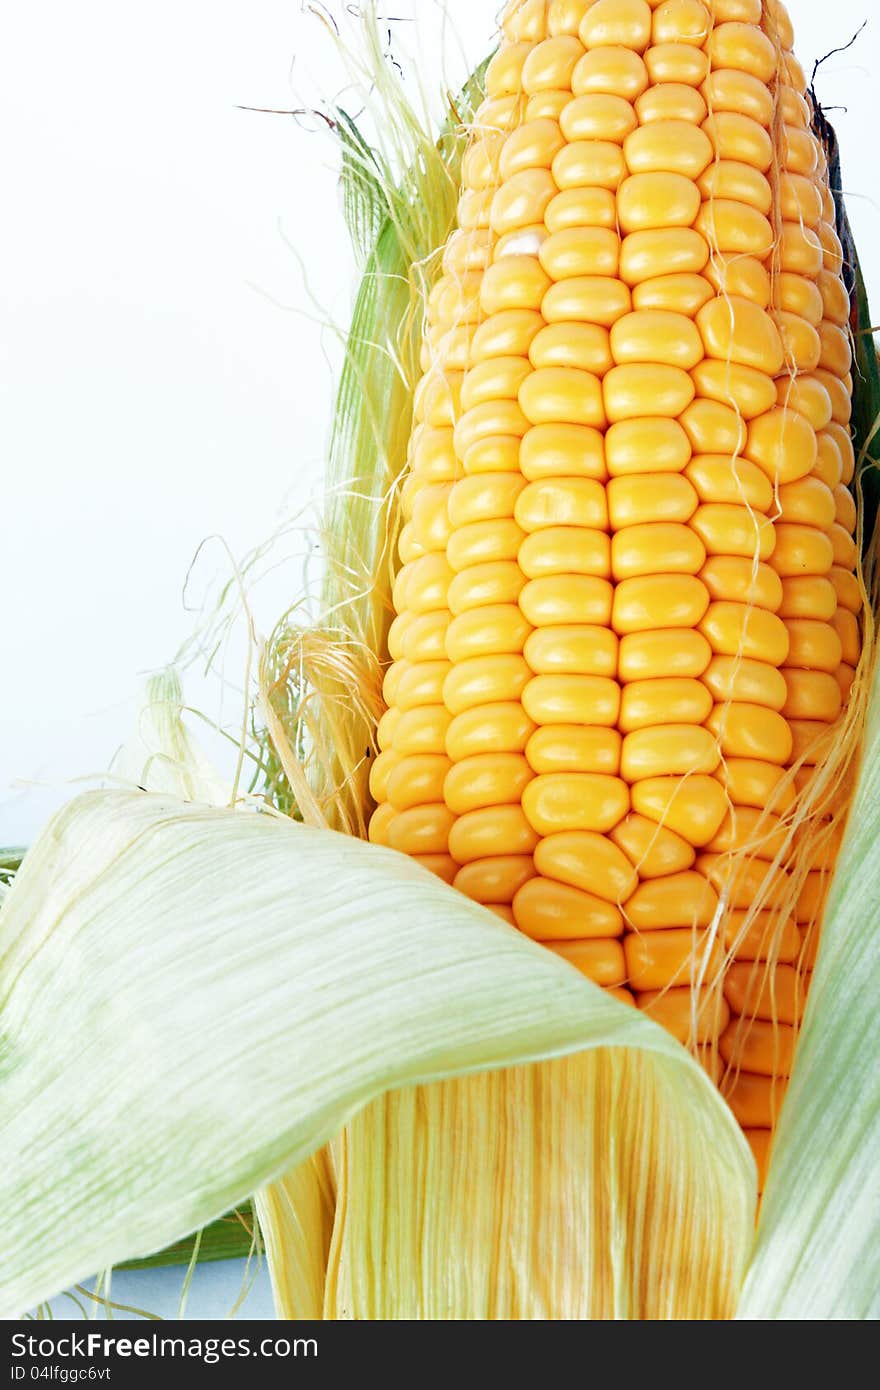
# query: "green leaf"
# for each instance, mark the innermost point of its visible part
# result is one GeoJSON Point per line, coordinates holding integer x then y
{"type": "Point", "coordinates": [194, 1000]}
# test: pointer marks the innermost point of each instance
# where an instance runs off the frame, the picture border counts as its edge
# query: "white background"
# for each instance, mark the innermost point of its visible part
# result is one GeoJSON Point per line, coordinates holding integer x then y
{"type": "Point", "coordinates": [168, 266]}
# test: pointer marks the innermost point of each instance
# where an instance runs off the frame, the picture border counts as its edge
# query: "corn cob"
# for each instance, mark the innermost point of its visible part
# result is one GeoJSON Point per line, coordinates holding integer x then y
{"type": "Point", "coordinates": [627, 611]}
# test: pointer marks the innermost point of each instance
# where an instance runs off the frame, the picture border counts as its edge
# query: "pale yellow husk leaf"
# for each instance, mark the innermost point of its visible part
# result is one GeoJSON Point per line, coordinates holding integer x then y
{"type": "Point", "coordinates": [196, 1000]}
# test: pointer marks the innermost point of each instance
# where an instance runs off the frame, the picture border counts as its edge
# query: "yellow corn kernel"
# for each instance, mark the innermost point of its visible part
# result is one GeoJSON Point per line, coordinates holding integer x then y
{"type": "Point", "coordinates": [421, 829]}
{"type": "Point", "coordinates": [593, 299]}
{"type": "Point", "coordinates": [725, 529]}
{"type": "Point", "coordinates": [809, 502]}
{"type": "Point", "coordinates": [485, 779]}
{"type": "Point", "coordinates": [420, 730]}
{"type": "Point", "coordinates": [683, 900]}
{"type": "Point", "coordinates": [840, 395]}
{"type": "Point", "coordinates": [581, 207]}
{"type": "Point", "coordinates": [598, 116]}
{"type": "Point", "coordinates": [799, 249]}
{"type": "Point", "coordinates": [662, 701]}
{"type": "Point", "coordinates": [485, 631]}
{"type": "Point", "coordinates": [752, 782]}
{"type": "Point", "coordinates": [380, 824]}
{"type": "Point", "coordinates": [738, 483]}
{"type": "Point", "coordinates": [533, 145]}
{"type": "Point", "coordinates": [847, 632]}
{"type": "Point", "coordinates": [492, 419]}
{"type": "Point", "coordinates": [558, 801]}
{"type": "Point", "coordinates": [742, 277]}
{"type": "Point", "coordinates": [637, 390]}
{"type": "Point", "coordinates": [484, 680]}
{"type": "Point", "coordinates": [690, 1015]}
{"type": "Point", "coordinates": [638, 498]}
{"type": "Point", "coordinates": [550, 911]}
{"type": "Point", "coordinates": [483, 497]}
{"type": "Point", "coordinates": [577, 650]}
{"type": "Point", "coordinates": [743, 47]}
{"type": "Point", "coordinates": [835, 300]}
{"type": "Point", "coordinates": [611, 70]}
{"type": "Point", "coordinates": [490, 831]}
{"type": "Point", "coordinates": [516, 282]}
{"type": "Point", "coordinates": [738, 137]}
{"type": "Point", "coordinates": [506, 334]}
{"type": "Point", "coordinates": [818, 646]}
{"type": "Point", "coordinates": [497, 879]}
{"type": "Point", "coordinates": [582, 345]}
{"type": "Point", "coordinates": [574, 748]}
{"type": "Point", "coordinates": [561, 502]}
{"type": "Point", "coordinates": [767, 937]}
{"type": "Point", "coordinates": [565, 550]}
{"type": "Point", "coordinates": [801, 550]}
{"type": "Point", "coordinates": [693, 807]}
{"type": "Point", "coordinates": [421, 684]}
{"type": "Point", "coordinates": [583, 859]}
{"type": "Point", "coordinates": [747, 828]}
{"type": "Point", "coordinates": [668, 750]}
{"type": "Point", "coordinates": [550, 63]}
{"type": "Point", "coordinates": [751, 731]}
{"type": "Point", "coordinates": [798, 295]}
{"type": "Point", "coordinates": [750, 393]}
{"type": "Point", "coordinates": [756, 1100]}
{"type": "Point", "coordinates": [654, 850]}
{"type": "Point", "coordinates": [744, 11]}
{"type": "Point", "coordinates": [677, 652]}
{"type": "Point", "coordinates": [741, 630]}
{"type": "Point", "coordinates": [713, 428]}
{"type": "Point", "coordinates": [738, 579]}
{"type": "Point", "coordinates": [737, 331]}
{"type": "Point", "coordinates": [747, 681]}
{"type": "Point", "coordinates": [647, 255]}
{"type": "Point", "coordinates": [660, 441]}
{"type": "Point", "coordinates": [581, 599]}
{"type": "Point", "coordinates": [525, 20]}
{"type": "Point", "coordinates": [423, 638]}
{"type": "Point", "coordinates": [765, 1049]}
{"type": "Point", "coordinates": [651, 335]}
{"type": "Point", "coordinates": [578, 251]}
{"type": "Point", "coordinates": [671, 101]}
{"type": "Point", "coordinates": [811, 695]}
{"type": "Point", "coordinates": [482, 542]}
{"type": "Point", "coordinates": [677, 62]}
{"type": "Point", "coordinates": [499, 728]}
{"type": "Point", "coordinates": [499, 582]}
{"type": "Point", "coordinates": [732, 89]}
{"type": "Point", "coordinates": [660, 959]}
{"type": "Point", "coordinates": [547, 105]}
{"type": "Point", "coordinates": [571, 699]}
{"type": "Point", "coordinates": [809, 397]}
{"type": "Point", "coordinates": [504, 73]}
{"type": "Point", "coordinates": [601, 961]}
{"type": "Point", "coordinates": [732, 227]}
{"type": "Point", "coordinates": [784, 444]}
{"type": "Point", "coordinates": [498, 378]}
{"type": "Point", "coordinates": [626, 23]}
{"type": "Point", "coordinates": [740, 184]}
{"type": "Point", "coordinates": [757, 990]}
{"type": "Point", "coordinates": [676, 294]}
{"type": "Point", "coordinates": [562, 451]}
{"type": "Point", "coordinates": [672, 601]}
{"type": "Point", "coordinates": [752, 880]}
{"type": "Point", "coordinates": [810, 596]}
{"type": "Point", "coordinates": [656, 548]}
{"type": "Point", "coordinates": [591, 164]}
